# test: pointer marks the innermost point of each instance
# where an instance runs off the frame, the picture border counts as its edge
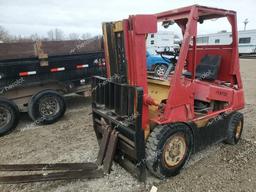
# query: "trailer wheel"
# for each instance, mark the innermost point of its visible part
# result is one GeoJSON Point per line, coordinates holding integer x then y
{"type": "Point", "coordinates": [235, 128]}
{"type": "Point", "coordinates": [168, 148]}
{"type": "Point", "coordinates": [160, 70]}
{"type": "Point", "coordinates": [9, 116]}
{"type": "Point", "coordinates": [46, 107]}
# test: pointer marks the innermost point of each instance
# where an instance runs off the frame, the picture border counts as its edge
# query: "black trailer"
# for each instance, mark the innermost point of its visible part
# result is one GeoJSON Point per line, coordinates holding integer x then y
{"type": "Point", "coordinates": [34, 77]}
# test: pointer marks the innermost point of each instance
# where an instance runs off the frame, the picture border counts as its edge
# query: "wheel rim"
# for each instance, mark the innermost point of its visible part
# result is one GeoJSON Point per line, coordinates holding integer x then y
{"type": "Point", "coordinates": [160, 71]}
{"type": "Point", "coordinates": [5, 116]}
{"type": "Point", "coordinates": [49, 106]}
{"type": "Point", "coordinates": [238, 130]}
{"type": "Point", "coordinates": [174, 150]}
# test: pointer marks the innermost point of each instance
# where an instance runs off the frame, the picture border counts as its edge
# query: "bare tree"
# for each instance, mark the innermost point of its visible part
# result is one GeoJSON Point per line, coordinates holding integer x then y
{"type": "Point", "coordinates": [20, 38]}
{"type": "Point", "coordinates": [74, 36]}
{"type": "Point", "coordinates": [55, 35]}
{"type": "Point", "coordinates": [50, 35]}
{"type": "Point", "coordinates": [34, 37]}
{"type": "Point", "coordinates": [59, 34]}
{"type": "Point", "coordinates": [86, 36]}
{"type": "Point", "coordinates": [4, 35]}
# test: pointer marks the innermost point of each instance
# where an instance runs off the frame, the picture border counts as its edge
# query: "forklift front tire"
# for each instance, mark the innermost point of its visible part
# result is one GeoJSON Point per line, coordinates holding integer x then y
{"type": "Point", "coordinates": [168, 148]}
{"type": "Point", "coordinates": [235, 128]}
{"type": "Point", "coordinates": [46, 107]}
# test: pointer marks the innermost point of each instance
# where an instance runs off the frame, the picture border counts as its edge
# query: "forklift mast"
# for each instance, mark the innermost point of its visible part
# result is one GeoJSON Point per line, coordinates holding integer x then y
{"type": "Point", "coordinates": [125, 52]}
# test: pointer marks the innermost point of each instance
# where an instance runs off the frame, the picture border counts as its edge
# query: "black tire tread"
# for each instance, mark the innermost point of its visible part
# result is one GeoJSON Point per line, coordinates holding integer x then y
{"type": "Point", "coordinates": [16, 115]}
{"type": "Point", "coordinates": [152, 147]}
{"type": "Point", "coordinates": [233, 120]}
{"type": "Point", "coordinates": [33, 101]}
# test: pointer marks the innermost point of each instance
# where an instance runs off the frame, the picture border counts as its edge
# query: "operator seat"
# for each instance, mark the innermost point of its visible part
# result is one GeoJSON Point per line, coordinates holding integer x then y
{"type": "Point", "coordinates": [208, 68]}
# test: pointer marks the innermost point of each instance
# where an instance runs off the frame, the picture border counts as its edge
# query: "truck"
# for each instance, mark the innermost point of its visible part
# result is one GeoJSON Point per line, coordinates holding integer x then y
{"type": "Point", "coordinates": [35, 77]}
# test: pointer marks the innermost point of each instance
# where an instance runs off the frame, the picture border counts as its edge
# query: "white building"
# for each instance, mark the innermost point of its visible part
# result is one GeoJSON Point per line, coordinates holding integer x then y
{"type": "Point", "coordinates": [247, 40]}
{"type": "Point", "coordinates": [162, 40]}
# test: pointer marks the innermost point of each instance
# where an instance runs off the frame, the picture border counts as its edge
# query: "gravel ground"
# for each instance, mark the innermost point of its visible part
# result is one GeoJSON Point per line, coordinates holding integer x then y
{"type": "Point", "coordinates": [218, 168]}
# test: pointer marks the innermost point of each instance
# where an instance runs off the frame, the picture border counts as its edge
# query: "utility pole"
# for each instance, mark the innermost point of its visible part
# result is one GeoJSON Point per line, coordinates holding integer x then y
{"type": "Point", "coordinates": [245, 23]}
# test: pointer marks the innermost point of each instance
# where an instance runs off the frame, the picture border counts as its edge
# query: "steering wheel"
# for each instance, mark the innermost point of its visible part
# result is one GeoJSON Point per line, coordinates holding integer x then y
{"type": "Point", "coordinates": [173, 60]}
{"type": "Point", "coordinates": [165, 59]}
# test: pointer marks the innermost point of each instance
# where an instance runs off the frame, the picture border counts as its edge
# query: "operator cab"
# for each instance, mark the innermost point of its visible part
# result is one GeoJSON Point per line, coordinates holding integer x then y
{"type": "Point", "coordinates": [206, 65]}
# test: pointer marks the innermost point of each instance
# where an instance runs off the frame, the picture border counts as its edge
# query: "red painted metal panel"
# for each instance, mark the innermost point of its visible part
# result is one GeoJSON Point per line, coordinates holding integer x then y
{"type": "Point", "coordinates": [181, 92]}
{"type": "Point", "coordinates": [144, 24]}
{"type": "Point", "coordinates": [206, 91]}
{"type": "Point", "coordinates": [224, 51]}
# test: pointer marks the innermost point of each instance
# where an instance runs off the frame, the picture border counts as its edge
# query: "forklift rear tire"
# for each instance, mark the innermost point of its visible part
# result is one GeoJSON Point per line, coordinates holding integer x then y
{"type": "Point", "coordinates": [235, 128]}
{"type": "Point", "coordinates": [168, 148]}
{"type": "Point", "coordinates": [46, 107]}
{"type": "Point", "coordinates": [9, 116]}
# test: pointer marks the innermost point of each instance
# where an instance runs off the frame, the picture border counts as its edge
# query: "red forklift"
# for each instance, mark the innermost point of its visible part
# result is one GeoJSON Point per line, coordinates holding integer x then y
{"type": "Point", "coordinates": [144, 122]}
{"type": "Point", "coordinates": [158, 123]}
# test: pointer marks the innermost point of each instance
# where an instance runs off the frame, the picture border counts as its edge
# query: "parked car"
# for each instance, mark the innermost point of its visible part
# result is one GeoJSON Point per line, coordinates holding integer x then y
{"type": "Point", "coordinates": [158, 64]}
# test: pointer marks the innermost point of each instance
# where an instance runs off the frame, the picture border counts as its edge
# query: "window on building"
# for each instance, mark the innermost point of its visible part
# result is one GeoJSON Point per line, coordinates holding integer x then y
{"type": "Point", "coordinates": [152, 42]}
{"type": "Point", "coordinates": [203, 40]}
{"type": "Point", "coordinates": [217, 41]}
{"type": "Point", "coordinates": [152, 35]}
{"type": "Point", "coordinates": [244, 40]}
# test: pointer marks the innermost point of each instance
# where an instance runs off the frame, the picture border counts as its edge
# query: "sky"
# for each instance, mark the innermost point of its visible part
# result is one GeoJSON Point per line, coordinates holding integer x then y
{"type": "Point", "coordinates": [25, 17]}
